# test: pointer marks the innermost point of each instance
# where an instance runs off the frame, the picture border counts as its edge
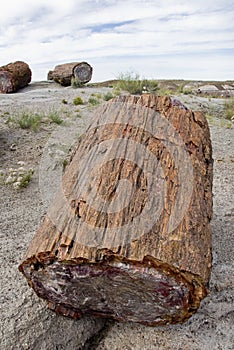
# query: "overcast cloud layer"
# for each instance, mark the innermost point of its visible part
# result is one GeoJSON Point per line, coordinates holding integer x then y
{"type": "Point", "coordinates": [158, 39]}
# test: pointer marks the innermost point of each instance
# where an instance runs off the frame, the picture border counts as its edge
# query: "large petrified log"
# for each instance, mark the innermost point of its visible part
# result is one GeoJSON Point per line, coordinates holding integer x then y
{"type": "Point", "coordinates": [63, 73]}
{"type": "Point", "coordinates": [14, 76]}
{"type": "Point", "coordinates": [128, 235]}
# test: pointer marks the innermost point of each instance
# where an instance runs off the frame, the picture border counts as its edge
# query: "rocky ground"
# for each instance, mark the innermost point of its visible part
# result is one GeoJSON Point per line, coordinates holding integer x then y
{"type": "Point", "coordinates": [36, 159]}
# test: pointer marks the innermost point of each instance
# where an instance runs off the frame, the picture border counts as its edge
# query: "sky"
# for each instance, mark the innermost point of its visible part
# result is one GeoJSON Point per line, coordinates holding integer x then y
{"type": "Point", "coordinates": [157, 39]}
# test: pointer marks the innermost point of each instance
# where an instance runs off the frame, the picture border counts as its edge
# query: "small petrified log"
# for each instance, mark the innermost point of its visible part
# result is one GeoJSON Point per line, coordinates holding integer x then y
{"type": "Point", "coordinates": [14, 76]}
{"type": "Point", "coordinates": [63, 73]}
{"type": "Point", "coordinates": [128, 236]}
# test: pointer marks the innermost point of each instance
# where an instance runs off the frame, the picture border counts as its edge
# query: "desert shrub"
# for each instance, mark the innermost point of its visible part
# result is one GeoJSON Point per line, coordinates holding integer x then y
{"type": "Point", "coordinates": [32, 120]}
{"type": "Point", "coordinates": [25, 179]}
{"type": "Point", "coordinates": [182, 90]}
{"type": "Point", "coordinates": [65, 164]}
{"type": "Point", "coordinates": [78, 101]}
{"type": "Point", "coordinates": [29, 120]}
{"type": "Point", "coordinates": [93, 101]}
{"type": "Point", "coordinates": [76, 83]}
{"type": "Point", "coordinates": [64, 101]}
{"type": "Point", "coordinates": [54, 117]}
{"type": "Point", "coordinates": [150, 86]}
{"type": "Point", "coordinates": [108, 96]}
{"type": "Point", "coordinates": [229, 109]}
{"type": "Point", "coordinates": [163, 91]}
{"type": "Point", "coordinates": [18, 178]}
{"type": "Point", "coordinates": [187, 91]}
{"type": "Point", "coordinates": [116, 91]}
{"type": "Point", "coordinates": [132, 83]}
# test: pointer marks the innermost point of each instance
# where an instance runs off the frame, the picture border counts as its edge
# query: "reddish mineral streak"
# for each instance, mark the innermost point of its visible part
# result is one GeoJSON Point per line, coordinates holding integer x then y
{"type": "Point", "coordinates": [113, 288]}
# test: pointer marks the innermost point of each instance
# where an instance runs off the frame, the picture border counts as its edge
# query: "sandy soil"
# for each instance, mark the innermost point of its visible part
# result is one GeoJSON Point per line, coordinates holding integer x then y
{"type": "Point", "coordinates": [26, 323]}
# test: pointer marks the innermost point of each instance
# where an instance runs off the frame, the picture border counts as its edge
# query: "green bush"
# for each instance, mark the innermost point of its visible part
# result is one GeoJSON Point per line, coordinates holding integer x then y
{"type": "Point", "coordinates": [25, 179]}
{"type": "Point", "coordinates": [78, 101]}
{"type": "Point", "coordinates": [163, 91]}
{"type": "Point", "coordinates": [55, 118]}
{"type": "Point", "coordinates": [99, 95]}
{"type": "Point", "coordinates": [229, 109]}
{"type": "Point", "coordinates": [182, 90]}
{"type": "Point", "coordinates": [132, 83]}
{"type": "Point", "coordinates": [108, 96]}
{"type": "Point", "coordinates": [29, 121]}
{"type": "Point", "coordinates": [129, 82]}
{"type": "Point", "coordinates": [116, 91]}
{"type": "Point", "coordinates": [93, 101]}
{"type": "Point", "coordinates": [76, 83]}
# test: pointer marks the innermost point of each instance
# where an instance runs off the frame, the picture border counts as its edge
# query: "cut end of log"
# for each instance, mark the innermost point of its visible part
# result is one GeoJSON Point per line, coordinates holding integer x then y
{"type": "Point", "coordinates": [6, 83]}
{"type": "Point", "coordinates": [14, 76]}
{"type": "Point", "coordinates": [147, 292]}
{"type": "Point", "coordinates": [83, 72]}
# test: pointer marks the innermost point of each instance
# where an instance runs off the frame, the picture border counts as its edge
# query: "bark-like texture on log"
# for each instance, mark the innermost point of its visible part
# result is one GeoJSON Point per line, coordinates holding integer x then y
{"type": "Point", "coordinates": [63, 73]}
{"type": "Point", "coordinates": [14, 76]}
{"type": "Point", "coordinates": [128, 235]}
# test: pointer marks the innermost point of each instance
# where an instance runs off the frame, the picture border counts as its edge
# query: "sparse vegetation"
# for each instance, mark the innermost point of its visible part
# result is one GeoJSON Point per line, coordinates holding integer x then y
{"type": "Point", "coordinates": [54, 117]}
{"type": "Point", "coordinates": [229, 125]}
{"type": "Point", "coordinates": [65, 163]}
{"type": "Point", "coordinates": [116, 91]}
{"type": "Point", "coordinates": [19, 178]}
{"type": "Point", "coordinates": [163, 91]}
{"type": "Point", "coordinates": [108, 96]}
{"type": "Point", "coordinates": [24, 179]}
{"type": "Point", "coordinates": [93, 101]}
{"type": "Point", "coordinates": [32, 120]}
{"type": "Point", "coordinates": [182, 90]}
{"type": "Point", "coordinates": [78, 101]}
{"type": "Point", "coordinates": [132, 83]}
{"type": "Point", "coordinates": [96, 95]}
{"type": "Point", "coordinates": [210, 119]}
{"type": "Point", "coordinates": [229, 109]}
{"type": "Point", "coordinates": [223, 123]}
{"type": "Point", "coordinates": [76, 83]}
{"type": "Point", "coordinates": [188, 91]}
{"type": "Point", "coordinates": [29, 121]}
{"type": "Point", "coordinates": [99, 95]}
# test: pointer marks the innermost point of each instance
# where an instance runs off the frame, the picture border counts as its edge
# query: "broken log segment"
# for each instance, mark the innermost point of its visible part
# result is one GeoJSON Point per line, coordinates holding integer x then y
{"type": "Point", "coordinates": [128, 235]}
{"type": "Point", "coordinates": [63, 73]}
{"type": "Point", "coordinates": [14, 76]}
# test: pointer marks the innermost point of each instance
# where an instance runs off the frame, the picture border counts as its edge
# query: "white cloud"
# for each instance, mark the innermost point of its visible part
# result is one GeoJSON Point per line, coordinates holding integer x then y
{"type": "Point", "coordinates": [182, 39]}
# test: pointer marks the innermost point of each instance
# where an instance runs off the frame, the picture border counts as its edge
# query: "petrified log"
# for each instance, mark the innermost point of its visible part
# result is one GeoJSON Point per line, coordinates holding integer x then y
{"type": "Point", "coordinates": [128, 235]}
{"type": "Point", "coordinates": [14, 76]}
{"type": "Point", "coordinates": [63, 73]}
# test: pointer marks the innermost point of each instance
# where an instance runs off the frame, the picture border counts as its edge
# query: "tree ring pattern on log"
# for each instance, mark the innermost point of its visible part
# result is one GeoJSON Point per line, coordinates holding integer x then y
{"type": "Point", "coordinates": [83, 72]}
{"type": "Point", "coordinates": [100, 217]}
